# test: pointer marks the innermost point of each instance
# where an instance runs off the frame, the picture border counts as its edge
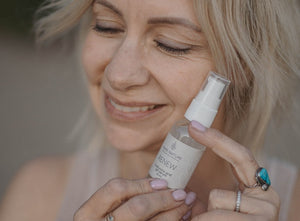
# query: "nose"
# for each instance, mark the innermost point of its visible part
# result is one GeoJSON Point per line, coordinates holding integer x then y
{"type": "Point", "coordinates": [125, 69]}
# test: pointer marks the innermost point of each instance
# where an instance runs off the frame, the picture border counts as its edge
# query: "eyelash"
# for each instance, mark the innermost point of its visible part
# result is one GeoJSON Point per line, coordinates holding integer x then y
{"type": "Point", "coordinates": [107, 30]}
{"type": "Point", "coordinates": [172, 50]}
{"type": "Point", "coordinates": [168, 49]}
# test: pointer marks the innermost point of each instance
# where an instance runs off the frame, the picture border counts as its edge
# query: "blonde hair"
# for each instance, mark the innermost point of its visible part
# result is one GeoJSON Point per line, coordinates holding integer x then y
{"type": "Point", "coordinates": [253, 43]}
{"type": "Point", "coordinates": [256, 45]}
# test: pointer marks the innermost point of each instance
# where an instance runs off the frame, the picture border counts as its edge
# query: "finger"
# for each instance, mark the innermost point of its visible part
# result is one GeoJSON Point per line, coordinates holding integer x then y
{"type": "Point", "coordinates": [225, 215]}
{"type": "Point", "coordinates": [145, 206]}
{"type": "Point", "coordinates": [226, 200]}
{"type": "Point", "coordinates": [173, 214]}
{"type": "Point", "coordinates": [270, 196]}
{"type": "Point", "coordinates": [114, 192]}
{"type": "Point", "coordinates": [237, 155]}
{"type": "Point", "coordinates": [198, 208]}
{"type": "Point", "coordinates": [181, 212]}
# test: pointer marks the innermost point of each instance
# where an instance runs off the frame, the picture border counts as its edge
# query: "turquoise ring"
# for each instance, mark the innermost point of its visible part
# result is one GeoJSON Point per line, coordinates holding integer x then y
{"type": "Point", "coordinates": [262, 179]}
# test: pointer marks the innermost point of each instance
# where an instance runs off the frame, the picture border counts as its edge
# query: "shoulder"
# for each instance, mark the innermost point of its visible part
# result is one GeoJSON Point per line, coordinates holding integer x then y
{"type": "Point", "coordinates": [36, 191]}
{"type": "Point", "coordinates": [294, 212]}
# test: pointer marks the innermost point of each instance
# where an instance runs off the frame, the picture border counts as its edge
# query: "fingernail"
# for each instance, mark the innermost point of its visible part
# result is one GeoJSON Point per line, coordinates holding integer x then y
{"type": "Point", "coordinates": [190, 198]}
{"type": "Point", "coordinates": [159, 184]}
{"type": "Point", "coordinates": [179, 195]}
{"type": "Point", "coordinates": [187, 215]}
{"type": "Point", "coordinates": [196, 125]}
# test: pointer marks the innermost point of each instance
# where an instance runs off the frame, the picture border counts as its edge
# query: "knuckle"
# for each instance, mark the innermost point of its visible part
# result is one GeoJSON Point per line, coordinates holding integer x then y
{"type": "Point", "coordinates": [245, 156]}
{"type": "Point", "coordinates": [80, 215]}
{"type": "Point", "coordinates": [214, 195]}
{"type": "Point", "coordinates": [165, 200]}
{"type": "Point", "coordinates": [116, 186]}
{"type": "Point", "coordinates": [217, 136]}
{"type": "Point", "coordinates": [138, 206]}
{"type": "Point", "coordinates": [143, 187]}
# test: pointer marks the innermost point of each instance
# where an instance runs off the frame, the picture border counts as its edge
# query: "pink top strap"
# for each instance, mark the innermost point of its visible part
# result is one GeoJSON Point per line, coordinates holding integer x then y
{"type": "Point", "coordinates": [90, 170]}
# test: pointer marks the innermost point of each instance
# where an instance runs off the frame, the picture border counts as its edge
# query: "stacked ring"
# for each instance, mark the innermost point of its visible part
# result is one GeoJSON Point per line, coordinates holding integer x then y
{"type": "Point", "coordinates": [238, 201]}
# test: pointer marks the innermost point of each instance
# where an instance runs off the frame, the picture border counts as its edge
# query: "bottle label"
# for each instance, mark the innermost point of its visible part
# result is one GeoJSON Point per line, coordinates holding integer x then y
{"type": "Point", "coordinates": [175, 162]}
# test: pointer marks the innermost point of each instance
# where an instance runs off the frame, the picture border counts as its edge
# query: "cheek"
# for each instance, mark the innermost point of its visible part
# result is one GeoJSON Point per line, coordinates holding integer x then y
{"type": "Point", "coordinates": [182, 80]}
{"type": "Point", "coordinates": [94, 60]}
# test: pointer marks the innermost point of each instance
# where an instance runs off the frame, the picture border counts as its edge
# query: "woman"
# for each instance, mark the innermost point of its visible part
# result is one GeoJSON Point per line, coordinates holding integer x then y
{"type": "Point", "coordinates": [144, 62]}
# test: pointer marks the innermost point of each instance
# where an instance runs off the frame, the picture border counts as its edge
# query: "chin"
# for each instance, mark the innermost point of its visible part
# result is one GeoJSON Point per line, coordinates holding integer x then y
{"type": "Point", "coordinates": [126, 144]}
{"type": "Point", "coordinates": [133, 141]}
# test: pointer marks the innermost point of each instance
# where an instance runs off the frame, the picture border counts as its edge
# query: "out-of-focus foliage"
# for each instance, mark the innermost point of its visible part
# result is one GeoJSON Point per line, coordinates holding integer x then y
{"type": "Point", "coordinates": [17, 16]}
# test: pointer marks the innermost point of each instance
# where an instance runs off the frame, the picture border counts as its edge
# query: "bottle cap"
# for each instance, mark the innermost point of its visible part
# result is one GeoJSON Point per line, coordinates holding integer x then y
{"type": "Point", "coordinates": [204, 106]}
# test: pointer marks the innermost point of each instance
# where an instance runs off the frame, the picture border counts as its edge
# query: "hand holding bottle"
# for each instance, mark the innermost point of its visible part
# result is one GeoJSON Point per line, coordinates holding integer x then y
{"type": "Point", "coordinates": [180, 154]}
{"type": "Point", "coordinates": [255, 202]}
{"type": "Point", "coordinates": [132, 200]}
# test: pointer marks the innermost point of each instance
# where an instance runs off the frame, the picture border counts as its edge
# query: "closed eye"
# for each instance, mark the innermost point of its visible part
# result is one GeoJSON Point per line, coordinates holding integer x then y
{"type": "Point", "coordinates": [107, 30]}
{"type": "Point", "coordinates": [172, 50]}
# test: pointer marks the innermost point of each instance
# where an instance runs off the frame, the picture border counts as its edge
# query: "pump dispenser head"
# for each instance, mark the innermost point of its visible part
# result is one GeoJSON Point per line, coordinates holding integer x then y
{"type": "Point", "coordinates": [204, 106]}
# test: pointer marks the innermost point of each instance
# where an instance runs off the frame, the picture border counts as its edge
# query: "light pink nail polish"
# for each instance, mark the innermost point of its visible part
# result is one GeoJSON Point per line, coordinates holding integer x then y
{"type": "Point", "coordinates": [179, 195]}
{"type": "Point", "coordinates": [187, 215]}
{"type": "Point", "coordinates": [159, 184]}
{"type": "Point", "coordinates": [190, 198]}
{"type": "Point", "coordinates": [196, 125]}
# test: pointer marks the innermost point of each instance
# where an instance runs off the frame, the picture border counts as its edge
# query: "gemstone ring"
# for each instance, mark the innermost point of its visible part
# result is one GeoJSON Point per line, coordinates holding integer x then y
{"type": "Point", "coordinates": [262, 179]}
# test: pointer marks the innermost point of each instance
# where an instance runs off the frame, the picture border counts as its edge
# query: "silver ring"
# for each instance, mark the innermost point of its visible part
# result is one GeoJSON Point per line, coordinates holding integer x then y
{"type": "Point", "coordinates": [238, 201]}
{"type": "Point", "coordinates": [262, 179]}
{"type": "Point", "coordinates": [109, 217]}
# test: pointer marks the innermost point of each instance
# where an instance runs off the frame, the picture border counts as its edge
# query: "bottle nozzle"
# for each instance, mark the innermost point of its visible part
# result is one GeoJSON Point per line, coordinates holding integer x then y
{"type": "Point", "coordinates": [205, 105]}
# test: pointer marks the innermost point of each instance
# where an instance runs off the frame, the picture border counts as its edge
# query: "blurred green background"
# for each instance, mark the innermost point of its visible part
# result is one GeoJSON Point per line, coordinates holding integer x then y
{"type": "Point", "coordinates": [16, 16]}
{"type": "Point", "coordinates": [42, 94]}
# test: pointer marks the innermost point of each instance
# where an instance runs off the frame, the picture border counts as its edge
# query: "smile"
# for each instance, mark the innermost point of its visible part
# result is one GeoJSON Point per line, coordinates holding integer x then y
{"type": "Point", "coordinates": [130, 111]}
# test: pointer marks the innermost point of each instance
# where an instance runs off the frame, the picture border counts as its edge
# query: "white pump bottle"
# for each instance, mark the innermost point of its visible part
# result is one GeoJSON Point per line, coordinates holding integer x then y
{"type": "Point", "coordinates": [180, 154]}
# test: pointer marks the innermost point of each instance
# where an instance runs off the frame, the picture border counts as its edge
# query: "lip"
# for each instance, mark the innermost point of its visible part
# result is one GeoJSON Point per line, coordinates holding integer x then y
{"type": "Point", "coordinates": [130, 116]}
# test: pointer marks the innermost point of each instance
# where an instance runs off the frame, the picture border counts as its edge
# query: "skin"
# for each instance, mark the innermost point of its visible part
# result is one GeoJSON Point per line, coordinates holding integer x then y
{"type": "Point", "coordinates": [130, 68]}
{"type": "Point", "coordinates": [134, 58]}
{"type": "Point", "coordinates": [126, 64]}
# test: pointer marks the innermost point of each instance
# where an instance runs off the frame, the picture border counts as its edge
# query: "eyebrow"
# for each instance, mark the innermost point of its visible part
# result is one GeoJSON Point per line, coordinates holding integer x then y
{"type": "Point", "coordinates": [110, 6]}
{"type": "Point", "coordinates": [175, 21]}
{"type": "Point", "coordinates": [164, 20]}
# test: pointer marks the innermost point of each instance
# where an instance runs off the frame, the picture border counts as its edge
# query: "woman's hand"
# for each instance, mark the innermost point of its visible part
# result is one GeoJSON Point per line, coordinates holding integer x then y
{"type": "Point", "coordinates": [145, 199]}
{"type": "Point", "coordinates": [256, 204]}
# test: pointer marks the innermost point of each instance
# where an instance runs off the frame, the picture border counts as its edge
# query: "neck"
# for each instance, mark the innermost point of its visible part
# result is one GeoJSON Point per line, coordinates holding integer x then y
{"type": "Point", "coordinates": [136, 166]}
{"type": "Point", "coordinates": [204, 178]}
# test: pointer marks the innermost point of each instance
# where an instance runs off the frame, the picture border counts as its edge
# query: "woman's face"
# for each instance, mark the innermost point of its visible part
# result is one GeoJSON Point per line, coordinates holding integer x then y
{"type": "Point", "coordinates": [145, 61]}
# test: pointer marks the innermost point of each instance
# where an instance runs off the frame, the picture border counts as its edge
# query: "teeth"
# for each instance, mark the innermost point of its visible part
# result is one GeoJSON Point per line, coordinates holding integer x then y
{"type": "Point", "coordinates": [131, 109]}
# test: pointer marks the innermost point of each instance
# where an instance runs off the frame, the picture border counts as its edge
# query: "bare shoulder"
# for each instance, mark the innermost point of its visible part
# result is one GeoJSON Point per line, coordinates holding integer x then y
{"type": "Point", "coordinates": [294, 213]}
{"type": "Point", "coordinates": [36, 191]}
